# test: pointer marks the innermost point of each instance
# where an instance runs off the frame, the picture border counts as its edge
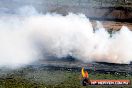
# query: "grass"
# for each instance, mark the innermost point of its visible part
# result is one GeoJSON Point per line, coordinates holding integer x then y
{"type": "Point", "coordinates": [53, 79]}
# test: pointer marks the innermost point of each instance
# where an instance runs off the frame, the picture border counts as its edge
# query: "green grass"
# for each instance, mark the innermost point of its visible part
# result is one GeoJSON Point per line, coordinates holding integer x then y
{"type": "Point", "coordinates": [54, 79]}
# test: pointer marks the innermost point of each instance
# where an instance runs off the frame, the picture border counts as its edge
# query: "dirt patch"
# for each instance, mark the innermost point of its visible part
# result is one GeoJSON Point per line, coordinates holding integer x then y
{"type": "Point", "coordinates": [112, 25]}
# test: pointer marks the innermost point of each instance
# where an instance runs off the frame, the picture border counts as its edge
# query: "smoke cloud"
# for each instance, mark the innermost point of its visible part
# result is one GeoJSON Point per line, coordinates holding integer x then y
{"type": "Point", "coordinates": [28, 36]}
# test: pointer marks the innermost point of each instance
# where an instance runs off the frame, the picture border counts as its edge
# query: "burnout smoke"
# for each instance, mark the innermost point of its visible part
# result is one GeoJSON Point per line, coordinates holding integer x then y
{"type": "Point", "coordinates": [28, 36]}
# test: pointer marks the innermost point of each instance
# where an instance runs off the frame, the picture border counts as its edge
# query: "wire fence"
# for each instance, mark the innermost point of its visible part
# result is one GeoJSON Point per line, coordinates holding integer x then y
{"type": "Point", "coordinates": [90, 3]}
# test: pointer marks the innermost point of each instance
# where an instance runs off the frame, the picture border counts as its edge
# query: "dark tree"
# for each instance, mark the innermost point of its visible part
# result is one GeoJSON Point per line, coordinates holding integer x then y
{"type": "Point", "coordinates": [125, 1]}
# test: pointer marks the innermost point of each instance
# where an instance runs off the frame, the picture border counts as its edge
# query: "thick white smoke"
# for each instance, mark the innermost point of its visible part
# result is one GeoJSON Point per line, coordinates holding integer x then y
{"type": "Point", "coordinates": [25, 38]}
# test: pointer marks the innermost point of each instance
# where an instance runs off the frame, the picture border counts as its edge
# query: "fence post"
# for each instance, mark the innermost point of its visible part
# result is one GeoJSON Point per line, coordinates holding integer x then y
{"type": "Point", "coordinates": [79, 2]}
